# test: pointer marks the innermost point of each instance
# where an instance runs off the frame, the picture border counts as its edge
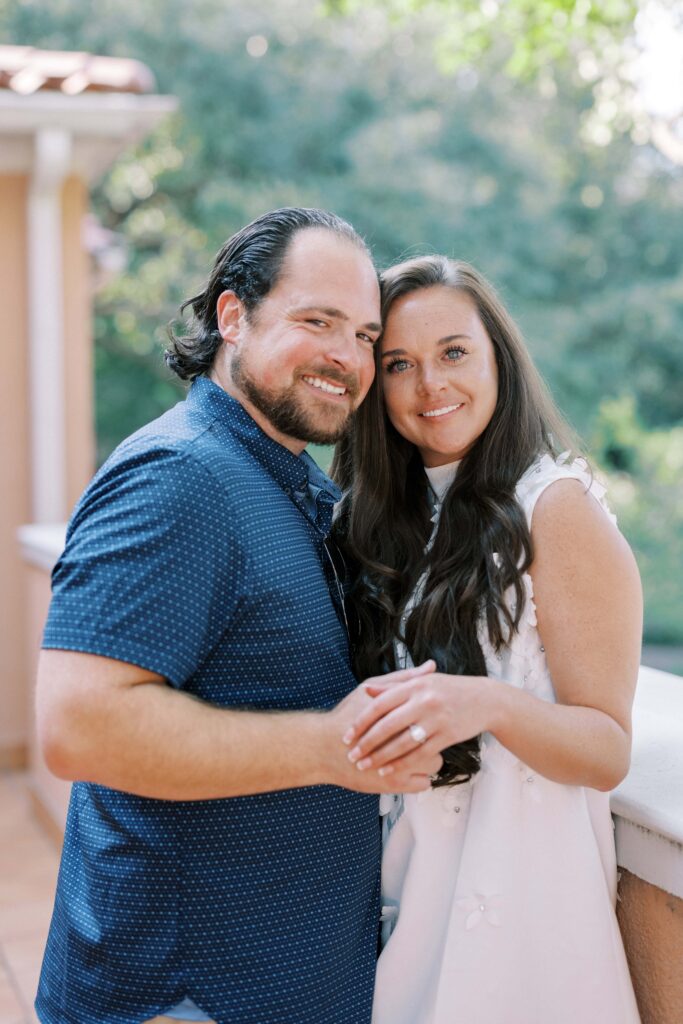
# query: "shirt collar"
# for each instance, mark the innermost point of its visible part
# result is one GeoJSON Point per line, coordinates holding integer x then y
{"type": "Point", "coordinates": [292, 472]}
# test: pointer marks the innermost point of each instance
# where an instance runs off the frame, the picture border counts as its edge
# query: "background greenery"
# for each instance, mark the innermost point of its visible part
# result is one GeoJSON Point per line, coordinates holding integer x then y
{"type": "Point", "coordinates": [429, 132]}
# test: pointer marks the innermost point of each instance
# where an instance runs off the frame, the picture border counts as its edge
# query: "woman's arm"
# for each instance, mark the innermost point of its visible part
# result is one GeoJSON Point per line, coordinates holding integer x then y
{"type": "Point", "coordinates": [589, 611]}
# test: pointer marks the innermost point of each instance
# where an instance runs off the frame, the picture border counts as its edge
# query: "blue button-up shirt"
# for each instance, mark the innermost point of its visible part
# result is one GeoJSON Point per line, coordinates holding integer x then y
{"type": "Point", "coordinates": [197, 553]}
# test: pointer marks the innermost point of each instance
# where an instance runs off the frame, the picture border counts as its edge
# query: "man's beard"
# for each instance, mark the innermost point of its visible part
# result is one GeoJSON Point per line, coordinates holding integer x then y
{"type": "Point", "coordinates": [288, 412]}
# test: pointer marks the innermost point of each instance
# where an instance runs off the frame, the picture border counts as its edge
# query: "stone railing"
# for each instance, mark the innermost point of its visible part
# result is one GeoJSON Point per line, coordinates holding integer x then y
{"type": "Point", "coordinates": [647, 809]}
{"type": "Point", "coordinates": [648, 818]}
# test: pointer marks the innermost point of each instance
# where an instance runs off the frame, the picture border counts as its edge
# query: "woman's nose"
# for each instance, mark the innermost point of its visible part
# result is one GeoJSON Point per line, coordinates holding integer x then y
{"type": "Point", "coordinates": [431, 380]}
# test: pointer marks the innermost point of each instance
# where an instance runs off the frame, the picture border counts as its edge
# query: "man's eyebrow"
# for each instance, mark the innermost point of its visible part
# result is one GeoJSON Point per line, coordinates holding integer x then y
{"type": "Point", "coordinates": [334, 314]}
{"type": "Point", "coordinates": [442, 341]}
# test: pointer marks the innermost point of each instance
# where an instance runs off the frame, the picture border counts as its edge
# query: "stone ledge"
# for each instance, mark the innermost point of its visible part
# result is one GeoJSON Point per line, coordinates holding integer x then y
{"type": "Point", "coordinates": [648, 805]}
{"type": "Point", "coordinates": [42, 544]}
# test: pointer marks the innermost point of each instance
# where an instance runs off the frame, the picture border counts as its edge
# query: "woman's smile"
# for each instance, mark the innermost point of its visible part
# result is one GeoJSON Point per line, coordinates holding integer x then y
{"type": "Point", "coordinates": [443, 411]}
{"type": "Point", "coordinates": [439, 373]}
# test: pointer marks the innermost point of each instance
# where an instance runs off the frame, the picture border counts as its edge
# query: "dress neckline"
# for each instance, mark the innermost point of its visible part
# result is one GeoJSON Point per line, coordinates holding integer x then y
{"type": "Point", "coordinates": [441, 477]}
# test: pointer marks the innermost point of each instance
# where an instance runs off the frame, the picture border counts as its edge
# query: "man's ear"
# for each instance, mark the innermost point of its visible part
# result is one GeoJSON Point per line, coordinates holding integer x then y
{"type": "Point", "coordinates": [229, 313]}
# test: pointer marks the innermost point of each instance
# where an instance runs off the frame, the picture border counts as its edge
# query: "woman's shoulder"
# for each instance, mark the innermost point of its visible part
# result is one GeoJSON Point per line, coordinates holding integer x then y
{"type": "Point", "coordinates": [547, 469]}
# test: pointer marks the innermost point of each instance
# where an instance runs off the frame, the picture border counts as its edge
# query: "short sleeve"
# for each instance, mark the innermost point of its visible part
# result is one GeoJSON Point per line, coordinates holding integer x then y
{"type": "Point", "coordinates": [545, 470]}
{"type": "Point", "coordinates": [151, 571]}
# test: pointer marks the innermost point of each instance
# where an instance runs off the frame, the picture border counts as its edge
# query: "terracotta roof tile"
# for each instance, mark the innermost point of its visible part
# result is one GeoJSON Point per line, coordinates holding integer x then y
{"type": "Point", "coordinates": [26, 70]}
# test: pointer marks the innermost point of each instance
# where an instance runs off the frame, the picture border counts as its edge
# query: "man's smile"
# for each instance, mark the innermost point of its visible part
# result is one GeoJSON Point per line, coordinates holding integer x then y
{"type": "Point", "coordinates": [327, 387]}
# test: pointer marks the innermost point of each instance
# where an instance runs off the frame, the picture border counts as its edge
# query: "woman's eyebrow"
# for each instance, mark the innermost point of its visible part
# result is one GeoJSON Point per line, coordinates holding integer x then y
{"type": "Point", "coordinates": [442, 341]}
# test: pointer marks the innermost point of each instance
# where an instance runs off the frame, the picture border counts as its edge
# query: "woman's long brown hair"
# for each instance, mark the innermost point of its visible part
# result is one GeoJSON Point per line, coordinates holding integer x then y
{"type": "Point", "coordinates": [482, 545]}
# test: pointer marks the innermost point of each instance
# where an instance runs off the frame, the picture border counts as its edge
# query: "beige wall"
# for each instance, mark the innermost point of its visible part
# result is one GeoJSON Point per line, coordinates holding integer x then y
{"type": "Point", "coordinates": [15, 451]}
{"type": "Point", "coordinates": [14, 466]}
{"type": "Point", "coordinates": [651, 923]}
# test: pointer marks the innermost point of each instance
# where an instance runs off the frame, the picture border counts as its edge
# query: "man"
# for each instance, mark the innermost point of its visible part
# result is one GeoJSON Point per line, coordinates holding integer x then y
{"type": "Point", "coordinates": [195, 637]}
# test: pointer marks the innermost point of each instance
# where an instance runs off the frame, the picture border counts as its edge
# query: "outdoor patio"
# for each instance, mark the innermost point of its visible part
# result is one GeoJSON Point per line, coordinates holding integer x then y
{"type": "Point", "coordinates": [65, 118]}
{"type": "Point", "coordinates": [29, 860]}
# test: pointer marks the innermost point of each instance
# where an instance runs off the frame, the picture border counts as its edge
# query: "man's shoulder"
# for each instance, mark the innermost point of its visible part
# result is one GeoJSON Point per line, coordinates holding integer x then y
{"type": "Point", "coordinates": [175, 467]}
{"type": "Point", "coordinates": [182, 444]}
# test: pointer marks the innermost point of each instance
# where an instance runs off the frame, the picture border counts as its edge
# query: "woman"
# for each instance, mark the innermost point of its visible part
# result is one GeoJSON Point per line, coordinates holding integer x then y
{"type": "Point", "coordinates": [480, 545]}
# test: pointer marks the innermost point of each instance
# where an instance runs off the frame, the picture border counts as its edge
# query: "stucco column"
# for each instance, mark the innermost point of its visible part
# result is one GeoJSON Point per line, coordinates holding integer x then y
{"type": "Point", "coordinates": [52, 158]}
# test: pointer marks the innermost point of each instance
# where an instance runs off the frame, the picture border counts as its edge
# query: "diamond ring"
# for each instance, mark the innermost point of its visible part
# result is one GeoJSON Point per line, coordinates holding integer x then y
{"type": "Point", "coordinates": [418, 733]}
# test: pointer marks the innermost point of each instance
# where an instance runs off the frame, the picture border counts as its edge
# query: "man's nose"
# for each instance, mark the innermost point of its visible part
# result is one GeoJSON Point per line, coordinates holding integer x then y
{"type": "Point", "coordinates": [344, 349]}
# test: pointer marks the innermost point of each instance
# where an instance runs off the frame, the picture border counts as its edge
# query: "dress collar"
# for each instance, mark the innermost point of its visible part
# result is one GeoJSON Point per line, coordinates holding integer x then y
{"type": "Point", "coordinates": [441, 477]}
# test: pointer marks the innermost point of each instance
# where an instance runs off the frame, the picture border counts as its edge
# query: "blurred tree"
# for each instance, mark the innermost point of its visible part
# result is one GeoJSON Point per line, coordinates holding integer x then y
{"type": "Point", "coordinates": [536, 35]}
{"type": "Point", "coordinates": [630, 51]}
{"type": "Point", "coordinates": [646, 491]}
{"type": "Point", "coordinates": [280, 106]}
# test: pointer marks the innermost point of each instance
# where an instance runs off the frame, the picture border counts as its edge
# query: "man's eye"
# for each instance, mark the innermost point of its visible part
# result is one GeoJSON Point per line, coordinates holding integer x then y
{"type": "Point", "coordinates": [317, 323]}
{"type": "Point", "coordinates": [366, 337]}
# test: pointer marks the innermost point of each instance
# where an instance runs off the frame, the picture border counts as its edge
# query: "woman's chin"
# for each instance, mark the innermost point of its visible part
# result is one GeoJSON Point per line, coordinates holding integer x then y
{"type": "Point", "coordinates": [433, 457]}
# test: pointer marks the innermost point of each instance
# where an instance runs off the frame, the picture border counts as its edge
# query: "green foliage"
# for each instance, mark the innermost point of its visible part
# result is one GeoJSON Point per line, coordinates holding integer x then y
{"type": "Point", "coordinates": [352, 113]}
{"type": "Point", "coordinates": [645, 470]}
{"type": "Point", "coordinates": [534, 33]}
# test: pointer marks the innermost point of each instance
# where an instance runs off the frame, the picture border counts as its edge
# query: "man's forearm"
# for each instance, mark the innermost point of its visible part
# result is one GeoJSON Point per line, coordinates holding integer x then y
{"type": "Point", "coordinates": [155, 741]}
{"type": "Point", "coordinates": [111, 723]}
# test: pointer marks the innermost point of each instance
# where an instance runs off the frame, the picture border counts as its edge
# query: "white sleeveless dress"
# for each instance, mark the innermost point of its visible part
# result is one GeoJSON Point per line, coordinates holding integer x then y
{"type": "Point", "coordinates": [498, 895]}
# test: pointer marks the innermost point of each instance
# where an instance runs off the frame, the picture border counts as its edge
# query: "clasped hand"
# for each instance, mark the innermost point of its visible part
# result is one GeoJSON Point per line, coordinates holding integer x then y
{"type": "Point", "coordinates": [441, 709]}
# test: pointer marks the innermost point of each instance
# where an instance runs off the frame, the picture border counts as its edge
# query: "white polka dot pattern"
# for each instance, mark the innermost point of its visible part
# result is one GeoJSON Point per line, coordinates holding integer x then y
{"type": "Point", "coordinates": [189, 556]}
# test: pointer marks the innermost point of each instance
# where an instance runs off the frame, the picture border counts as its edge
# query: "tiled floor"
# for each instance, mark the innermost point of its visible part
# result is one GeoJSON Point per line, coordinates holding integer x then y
{"type": "Point", "coordinates": [29, 861]}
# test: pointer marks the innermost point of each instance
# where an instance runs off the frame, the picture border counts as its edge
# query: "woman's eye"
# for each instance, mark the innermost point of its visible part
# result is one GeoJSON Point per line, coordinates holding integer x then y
{"type": "Point", "coordinates": [454, 353]}
{"type": "Point", "coordinates": [397, 366]}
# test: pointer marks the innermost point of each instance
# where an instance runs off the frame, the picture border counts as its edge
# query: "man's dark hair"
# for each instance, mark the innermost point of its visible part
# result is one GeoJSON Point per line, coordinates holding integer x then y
{"type": "Point", "coordinates": [249, 264]}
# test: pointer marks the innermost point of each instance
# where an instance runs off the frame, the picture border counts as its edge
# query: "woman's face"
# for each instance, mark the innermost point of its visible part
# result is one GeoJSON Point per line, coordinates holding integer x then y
{"type": "Point", "coordinates": [439, 372]}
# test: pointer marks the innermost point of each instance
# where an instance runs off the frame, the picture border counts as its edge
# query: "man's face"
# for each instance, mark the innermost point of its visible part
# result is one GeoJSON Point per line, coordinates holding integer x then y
{"type": "Point", "coordinates": [304, 361]}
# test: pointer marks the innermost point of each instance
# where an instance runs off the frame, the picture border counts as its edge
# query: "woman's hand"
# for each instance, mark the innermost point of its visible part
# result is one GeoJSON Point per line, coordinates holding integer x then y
{"type": "Point", "coordinates": [412, 776]}
{"type": "Point", "coordinates": [441, 709]}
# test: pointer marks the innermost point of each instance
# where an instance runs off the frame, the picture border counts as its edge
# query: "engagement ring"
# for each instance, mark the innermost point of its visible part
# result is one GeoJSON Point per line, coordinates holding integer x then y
{"type": "Point", "coordinates": [418, 733]}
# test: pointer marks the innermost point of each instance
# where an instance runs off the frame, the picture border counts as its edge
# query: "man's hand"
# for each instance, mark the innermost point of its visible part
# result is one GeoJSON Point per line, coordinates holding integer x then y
{"type": "Point", "coordinates": [413, 773]}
